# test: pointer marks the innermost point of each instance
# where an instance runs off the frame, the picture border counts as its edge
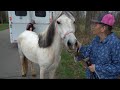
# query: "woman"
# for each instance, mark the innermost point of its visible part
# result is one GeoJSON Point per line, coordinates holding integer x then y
{"type": "Point", "coordinates": [104, 50]}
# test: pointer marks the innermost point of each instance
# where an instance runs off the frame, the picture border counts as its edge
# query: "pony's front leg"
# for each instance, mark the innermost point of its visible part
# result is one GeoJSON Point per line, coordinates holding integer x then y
{"type": "Point", "coordinates": [42, 72]}
{"type": "Point", "coordinates": [52, 73]}
{"type": "Point", "coordinates": [53, 68]}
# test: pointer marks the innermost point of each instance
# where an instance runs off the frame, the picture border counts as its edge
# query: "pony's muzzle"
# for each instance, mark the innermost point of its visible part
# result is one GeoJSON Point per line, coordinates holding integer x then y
{"type": "Point", "coordinates": [78, 44]}
{"type": "Point", "coordinates": [72, 45]}
{"type": "Point", "coordinates": [69, 43]}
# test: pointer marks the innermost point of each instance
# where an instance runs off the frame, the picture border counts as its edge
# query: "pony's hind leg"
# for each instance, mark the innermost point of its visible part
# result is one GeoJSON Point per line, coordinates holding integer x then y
{"type": "Point", "coordinates": [32, 69]}
{"type": "Point", "coordinates": [23, 61]}
{"type": "Point", "coordinates": [24, 65]}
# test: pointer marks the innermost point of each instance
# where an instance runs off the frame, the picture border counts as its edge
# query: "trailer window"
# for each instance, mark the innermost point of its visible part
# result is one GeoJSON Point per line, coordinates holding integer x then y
{"type": "Point", "coordinates": [20, 13]}
{"type": "Point", "coordinates": [40, 13]}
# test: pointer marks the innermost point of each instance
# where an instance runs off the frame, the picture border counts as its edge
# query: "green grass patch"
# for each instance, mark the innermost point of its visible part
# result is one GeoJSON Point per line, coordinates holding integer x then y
{"type": "Point", "coordinates": [4, 26]}
{"type": "Point", "coordinates": [68, 68]}
{"type": "Point", "coordinates": [116, 30]}
{"type": "Point", "coordinates": [117, 33]}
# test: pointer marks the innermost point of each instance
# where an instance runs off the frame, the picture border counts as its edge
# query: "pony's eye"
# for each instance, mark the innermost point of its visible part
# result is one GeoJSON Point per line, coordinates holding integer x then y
{"type": "Point", "coordinates": [58, 22]}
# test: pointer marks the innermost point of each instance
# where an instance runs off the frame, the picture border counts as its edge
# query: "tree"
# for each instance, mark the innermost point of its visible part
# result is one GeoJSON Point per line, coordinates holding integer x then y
{"type": "Point", "coordinates": [117, 19]}
{"type": "Point", "coordinates": [76, 15]}
{"type": "Point", "coordinates": [3, 17]}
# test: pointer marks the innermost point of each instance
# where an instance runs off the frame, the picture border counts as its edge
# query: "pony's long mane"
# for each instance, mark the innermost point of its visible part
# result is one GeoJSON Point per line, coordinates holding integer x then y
{"type": "Point", "coordinates": [47, 40]}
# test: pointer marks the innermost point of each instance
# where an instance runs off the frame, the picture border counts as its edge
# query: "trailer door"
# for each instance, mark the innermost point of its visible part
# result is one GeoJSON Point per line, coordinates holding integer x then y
{"type": "Point", "coordinates": [19, 21]}
{"type": "Point", "coordinates": [21, 17]}
{"type": "Point", "coordinates": [41, 17]}
{"type": "Point", "coordinates": [42, 20]}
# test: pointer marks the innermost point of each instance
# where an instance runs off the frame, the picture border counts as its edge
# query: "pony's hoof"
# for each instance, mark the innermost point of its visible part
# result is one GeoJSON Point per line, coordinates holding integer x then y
{"type": "Point", "coordinates": [24, 75]}
{"type": "Point", "coordinates": [34, 75]}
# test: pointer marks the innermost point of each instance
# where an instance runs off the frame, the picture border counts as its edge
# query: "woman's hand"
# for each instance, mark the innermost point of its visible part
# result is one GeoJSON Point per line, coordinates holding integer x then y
{"type": "Point", "coordinates": [92, 68]}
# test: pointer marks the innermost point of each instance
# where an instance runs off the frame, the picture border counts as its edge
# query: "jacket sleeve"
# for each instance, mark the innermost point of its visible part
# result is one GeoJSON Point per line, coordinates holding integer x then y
{"type": "Point", "coordinates": [113, 68]}
{"type": "Point", "coordinates": [85, 51]}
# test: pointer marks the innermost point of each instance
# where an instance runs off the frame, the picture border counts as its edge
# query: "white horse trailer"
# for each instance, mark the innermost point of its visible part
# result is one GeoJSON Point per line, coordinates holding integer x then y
{"type": "Point", "coordinates": [18, 21]}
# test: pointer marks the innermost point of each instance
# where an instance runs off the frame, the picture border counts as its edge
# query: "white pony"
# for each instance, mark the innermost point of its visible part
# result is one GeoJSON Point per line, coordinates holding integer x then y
{"type": "Point", "coordinates": [45, 48]}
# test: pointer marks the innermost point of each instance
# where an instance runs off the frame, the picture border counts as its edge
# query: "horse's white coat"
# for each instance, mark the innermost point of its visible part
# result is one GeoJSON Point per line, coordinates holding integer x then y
{"type": "Point", "coordinates": [47, 58]}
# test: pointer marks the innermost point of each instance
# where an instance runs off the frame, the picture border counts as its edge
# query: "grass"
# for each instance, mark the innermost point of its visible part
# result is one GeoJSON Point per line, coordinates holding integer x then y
{"type": "Point", "coordinates": [69, 69]}
{"type": "Point", "coordinates": [4, 26]}
{"type": "Point", "coordinates": [116, 30]}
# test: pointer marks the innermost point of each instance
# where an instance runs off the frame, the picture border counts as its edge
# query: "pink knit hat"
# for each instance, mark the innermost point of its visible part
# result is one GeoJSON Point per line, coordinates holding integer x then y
{"type": "Point", "coordinates": [107, 19]}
